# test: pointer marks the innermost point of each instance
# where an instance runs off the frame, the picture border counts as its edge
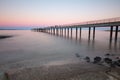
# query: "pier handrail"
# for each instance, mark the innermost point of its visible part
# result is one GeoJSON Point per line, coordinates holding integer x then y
{"type": "Point", "coordinates": [110, 20]}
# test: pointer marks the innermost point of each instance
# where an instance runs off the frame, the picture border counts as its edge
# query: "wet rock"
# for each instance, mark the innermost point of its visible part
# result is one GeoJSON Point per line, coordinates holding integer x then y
{"type": "Point", "coordinates": [117, 63]}
{"type": "Point", "coordinates": [107, 54]}
{"type": "Point", "coordinates": [117, 58]}
{"type": "Point", "coordinates": [7, 75]}
{"type": "Point", "coordinates": [97, 59]}
{"type": "Point", "coordinates": [108, 60]}
{"type": "Point", "coordinates": [77, 55]}
{"type": "Point", "coordinates": [87, 59]}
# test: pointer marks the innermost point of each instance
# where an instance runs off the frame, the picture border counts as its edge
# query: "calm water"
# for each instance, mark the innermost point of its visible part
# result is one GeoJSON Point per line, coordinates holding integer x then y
{"type": "Point", "coordinates": [32, 49]}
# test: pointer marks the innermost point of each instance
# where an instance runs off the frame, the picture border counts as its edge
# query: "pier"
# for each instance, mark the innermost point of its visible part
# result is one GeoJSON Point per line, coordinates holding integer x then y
{"type": "Point", "coordinates": [113, 23]}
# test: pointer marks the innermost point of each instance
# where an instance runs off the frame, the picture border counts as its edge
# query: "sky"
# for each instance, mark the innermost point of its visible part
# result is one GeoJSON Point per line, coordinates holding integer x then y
{"type": "Point", "coordinates": [32, 13]}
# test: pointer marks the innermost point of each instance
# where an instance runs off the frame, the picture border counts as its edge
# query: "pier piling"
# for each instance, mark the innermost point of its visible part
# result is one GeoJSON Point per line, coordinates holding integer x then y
{"type": "Point", "coordinates": [80, 32]}
{"type": "Point", "coordinates": [93, 33]}
{"type": "Point", "coordinates": [116, 34]}
{"type": "Point", "coordinates": [89, 33]}
{"type": "Point", "coordinates": [76, 32]}
{"type": "Point", "coordinates": [71, 32]}
{"type": "Point", "coordinates": [68, 32]}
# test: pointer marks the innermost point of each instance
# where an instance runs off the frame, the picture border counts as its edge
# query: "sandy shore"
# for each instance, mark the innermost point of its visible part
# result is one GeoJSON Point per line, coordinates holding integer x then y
{"type": "Point", "coordinates": [76, 71]}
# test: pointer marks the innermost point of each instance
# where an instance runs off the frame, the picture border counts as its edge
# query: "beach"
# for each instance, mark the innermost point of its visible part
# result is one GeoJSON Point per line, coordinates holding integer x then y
{"type": "Point", "coordinates": [76, 71]}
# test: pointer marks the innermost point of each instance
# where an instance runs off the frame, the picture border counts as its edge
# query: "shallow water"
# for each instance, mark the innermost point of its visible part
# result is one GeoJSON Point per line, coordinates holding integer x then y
{"type": "Point", "coordinates": [32, 49]}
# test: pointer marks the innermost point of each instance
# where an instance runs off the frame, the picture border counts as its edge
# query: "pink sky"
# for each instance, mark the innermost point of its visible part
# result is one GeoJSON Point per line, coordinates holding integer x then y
{"type": "Point", "coordinates": [55, 12]}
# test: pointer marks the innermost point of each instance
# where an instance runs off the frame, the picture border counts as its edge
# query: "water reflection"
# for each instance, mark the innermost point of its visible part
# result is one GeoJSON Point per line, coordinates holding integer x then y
{"type": "Point", "coordinates": [37, 48]}
{"type": "Point", "coordinates": [114, 45]}
{"type": "Point", "coordinates": [90, 43]}
{"type": "Point", "coordinates": [110, 44]}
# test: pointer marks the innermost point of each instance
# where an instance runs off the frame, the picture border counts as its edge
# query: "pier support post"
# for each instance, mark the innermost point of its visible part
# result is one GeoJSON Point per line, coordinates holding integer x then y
{"type": "Point", "coordinates": [68, 32]}
{"type": "Point", "coordinates": [57, 31]}
{"type": "Point", "coordinates": [89, 33]}
{"type": "Point", "coordinates": [80, 32]}
{"type": "Point", "coordinates": [65, 31]}
{"type": "Point", "coordinates": [51, 30]}
{"type": "Point", "coordinates": [54, 31]}
{"type": "Point", "coordinates": [62, 31]}
{"type": "Point", "coordinates": [71, 32]}
{"type": "Point", "coordinates": [93, 33]}
{"type": "Point", "coordinates": [111, 33]}
{"type": "Point", "coordinates": [46, 30]}
{"type": "Point", "coordinates": [76, 32]}
{"type": "Point", "coordinates": [116, 34]}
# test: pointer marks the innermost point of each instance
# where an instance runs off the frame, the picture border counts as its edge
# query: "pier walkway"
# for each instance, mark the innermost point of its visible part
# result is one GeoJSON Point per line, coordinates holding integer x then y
{"type": "Point", "coordinates": [113, 23]}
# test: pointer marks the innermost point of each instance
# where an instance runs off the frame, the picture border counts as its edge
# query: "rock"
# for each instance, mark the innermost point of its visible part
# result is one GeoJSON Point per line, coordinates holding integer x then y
{"type": "Point", "coordinates": [107, 54]}
{"type": "Point", "coordinates": [87, 59]}
{"type": "Point", "coordinates": [97, 59]}
{"type": "Point", "coordinates": [77, 55]}
{"type": "Point", "coordinates": [7, 75]}
{"type": "Point", "coordinates": [118, 62]}
{"type": "Point", "coordinates": [108, 60]}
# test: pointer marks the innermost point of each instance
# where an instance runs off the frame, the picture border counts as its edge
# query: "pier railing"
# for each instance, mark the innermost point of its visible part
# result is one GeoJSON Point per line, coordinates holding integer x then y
{"type": "Point", "coordinates": [110, 20]}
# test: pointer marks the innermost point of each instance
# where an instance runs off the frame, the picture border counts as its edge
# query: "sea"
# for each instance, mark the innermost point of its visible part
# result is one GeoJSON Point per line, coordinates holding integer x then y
{"type": "Point", "coordinates": [26, 48]}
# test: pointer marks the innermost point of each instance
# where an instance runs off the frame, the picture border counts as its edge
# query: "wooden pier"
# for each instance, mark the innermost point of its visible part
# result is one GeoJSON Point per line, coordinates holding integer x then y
{"type": "Point", "coordinates": [67, 30]}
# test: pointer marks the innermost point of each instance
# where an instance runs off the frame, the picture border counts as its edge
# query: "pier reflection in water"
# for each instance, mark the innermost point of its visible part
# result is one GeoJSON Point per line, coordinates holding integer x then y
{"type": "Point", "coordinates": [113, 42]}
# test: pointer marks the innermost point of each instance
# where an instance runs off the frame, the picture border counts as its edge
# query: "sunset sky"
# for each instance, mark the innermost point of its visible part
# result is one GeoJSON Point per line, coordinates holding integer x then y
{"type": "Point", "coordinates": [54, 12]}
